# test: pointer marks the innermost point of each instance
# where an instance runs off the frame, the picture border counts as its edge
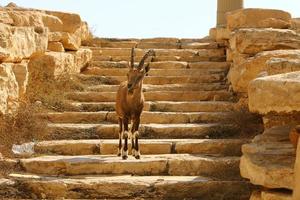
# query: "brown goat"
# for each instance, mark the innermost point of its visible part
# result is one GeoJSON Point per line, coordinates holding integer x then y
{"type": "Point", "coordinates": [129, 105]}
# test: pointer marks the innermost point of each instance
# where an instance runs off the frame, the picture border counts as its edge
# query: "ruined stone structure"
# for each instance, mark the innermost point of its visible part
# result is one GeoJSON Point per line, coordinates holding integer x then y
{"type": "Point", "coordinates": [189, 144]}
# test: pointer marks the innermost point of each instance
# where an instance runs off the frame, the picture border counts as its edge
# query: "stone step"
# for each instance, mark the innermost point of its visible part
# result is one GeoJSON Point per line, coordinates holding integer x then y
{"type": "Point", "coordinates": [220, 95]}
{"type": "Point", "coordinates": [154, 80]}
{"type": "Point", "coordinates": [165, 87]}
{"type": "Point", "coordinates": [147, 131]}
{"type": "Point", "coordinates": [126, 186]}
{"type": "Point", "coordinates": [162, 106]}
{"type": "Point", "coordinates": [165, 65]}
{"type": "Point", "coordinates": [153, 72]}
{"type": "Point", "coordinates": [146, 117]}
{"type": "Point", "coordinates": [226, 168]}
{"type": "Point", "coordinates": [203, 56]}
{"type": "Point", "coordinates": [227, 147]}
{"type": "Point", "coordinates": [183, 53]}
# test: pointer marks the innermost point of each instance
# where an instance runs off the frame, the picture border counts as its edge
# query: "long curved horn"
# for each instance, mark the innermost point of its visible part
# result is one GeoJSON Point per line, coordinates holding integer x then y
{"type": "Point", "coordinates": [132, 58]}
{"type": "Point", "coordinates": [147, 54]}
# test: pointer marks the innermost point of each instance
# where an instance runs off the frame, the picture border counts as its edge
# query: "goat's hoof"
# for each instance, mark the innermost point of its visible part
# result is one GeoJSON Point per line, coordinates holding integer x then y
{"type": "Point", "coordinates": [124, 157]}
{"type": "Point", "coordinates": [119, 152]}
{"type": "Point", "coordinates": [133, 152]}
{"type": "Point", "coordinates": [137, 154]}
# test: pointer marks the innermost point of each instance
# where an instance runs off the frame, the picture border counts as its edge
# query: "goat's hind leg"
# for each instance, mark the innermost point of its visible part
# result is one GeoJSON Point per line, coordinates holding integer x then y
{"type": "Point", "coordinates": [125, 136]}
{"type": "Point", "coordinates": [132, 140]}
{"type": "Point", "coordinates": [120, 136]}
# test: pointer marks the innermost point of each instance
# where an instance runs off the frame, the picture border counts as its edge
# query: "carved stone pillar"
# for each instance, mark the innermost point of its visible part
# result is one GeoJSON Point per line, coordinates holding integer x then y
{"type": "Point", "coordinates": [225, 6]}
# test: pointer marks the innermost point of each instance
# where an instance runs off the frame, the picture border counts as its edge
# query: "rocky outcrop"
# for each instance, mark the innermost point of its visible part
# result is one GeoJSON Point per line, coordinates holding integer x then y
{"type": "Point", "coordinates": [258, 18]}
{"type": "Point", "coordinates": [39, 38]}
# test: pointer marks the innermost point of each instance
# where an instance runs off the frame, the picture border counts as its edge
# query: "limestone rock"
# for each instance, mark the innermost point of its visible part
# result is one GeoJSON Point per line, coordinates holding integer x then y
{"type": "Point", "coordinates": [219, 34]}
{"type": "Point", "coordinates": [70, 41]}
{"type": "Point", "coordinates": [55, 46]}
{"type": "Point", "coordinates": [282, 65]}
{"type": "Point", "coordinates": [248, 69]}
{"type": "Point", "coordinates": [54, 36]}
{"type": "Point", "coordinates": [8, 88]}
{"type": "Point", "coordinates": [277, 93]}
{"type": "Point", "coordinates": [71, 21]}
{"type": "Point", "coordinates": [82, 58]}
{"type": "Point", "coordinates": [21, 73]}
{"type": "Point", "coordinates": [17, 43]}
{"type": "Point", "coordinates": [269, 160]}
{"type": "Point", "coordinates": [296, 24]}
{"type": "Point", "coordinates": [53, 64]}
{"type": "Point", "coordinates": [252, 41]}
{"type": "Point", "coordinates": [258, 18]}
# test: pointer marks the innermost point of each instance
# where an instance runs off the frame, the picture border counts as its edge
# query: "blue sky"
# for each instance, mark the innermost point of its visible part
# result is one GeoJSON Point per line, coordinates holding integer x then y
{"type": "Point", "coordinates": [150, 18]}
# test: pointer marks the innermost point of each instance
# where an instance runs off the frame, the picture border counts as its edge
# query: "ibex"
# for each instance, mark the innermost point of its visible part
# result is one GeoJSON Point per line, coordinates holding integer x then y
{"type": "Point", "coordinates": [129, 105]}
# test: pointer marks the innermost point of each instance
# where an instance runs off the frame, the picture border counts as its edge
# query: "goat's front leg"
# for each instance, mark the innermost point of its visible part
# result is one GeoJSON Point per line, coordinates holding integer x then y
{"type": "Point", "coordinates": [120, 136]}
{"type": "Point", "coordinates": [136, 135]}
{"type": "Point", "coordinates": [125, 136]}
{"type": "Point", "coordinates": [132, 140]}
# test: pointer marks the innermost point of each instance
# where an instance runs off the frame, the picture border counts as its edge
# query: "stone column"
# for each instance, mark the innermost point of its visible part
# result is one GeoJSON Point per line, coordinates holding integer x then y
{"type": "Point", "coordinates": [225, 6]}
{"type": "Point", "coordinates": [296, 193]}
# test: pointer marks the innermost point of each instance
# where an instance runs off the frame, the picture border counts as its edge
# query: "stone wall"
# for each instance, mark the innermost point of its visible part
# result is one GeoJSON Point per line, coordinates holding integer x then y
{"type": "Point", "coordinates": [36, 41]}
{"type": "Point", "coordinates": [264, 48]}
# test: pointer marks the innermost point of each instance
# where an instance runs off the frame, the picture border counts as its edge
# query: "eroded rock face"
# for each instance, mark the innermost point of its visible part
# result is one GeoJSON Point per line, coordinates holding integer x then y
{"type": "Point", "coordinates": [282, 65]}
{"type": "Point", "coordinates": [248, 69]}
{"type": "Point", "coordinates": [278, 93]}
{"type": "Point", "coordinates": [17, 43]}
{"type": "Point", "coordinates": [252, 41]}
{"type": "Point", "coordinates": [9, 89]}
{"type": "Point", "coordinates": [269, 160]}
{"type": "Point", "coordinates": [258, 18]}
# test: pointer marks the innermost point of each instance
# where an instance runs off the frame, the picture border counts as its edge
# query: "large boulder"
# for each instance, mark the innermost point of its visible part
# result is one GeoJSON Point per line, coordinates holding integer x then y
{"type": "Point", "coordinates": [258, 18]}
{"type": "Point", "coordinates": [248, 69]}
{"type": "Point", "coordinates": [278, 93]}
{"type": "Point", "coordinates": [252, 41]}
{"type": "Point", "coordinates": [17, 43]}
{"type": "Point", "coordinates": [8, 88]}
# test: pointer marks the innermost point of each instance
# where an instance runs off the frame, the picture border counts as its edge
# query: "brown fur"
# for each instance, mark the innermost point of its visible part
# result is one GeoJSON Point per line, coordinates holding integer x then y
{"type": "Point", "coordinates": [130, 103]}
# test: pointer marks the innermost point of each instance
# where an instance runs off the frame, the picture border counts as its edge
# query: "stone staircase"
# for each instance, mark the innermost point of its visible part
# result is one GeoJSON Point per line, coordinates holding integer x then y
{"type": "Point", "coordinates": [189, 150]}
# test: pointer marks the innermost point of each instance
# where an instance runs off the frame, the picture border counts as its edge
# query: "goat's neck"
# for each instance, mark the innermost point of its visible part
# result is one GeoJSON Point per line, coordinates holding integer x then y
{"type": "Point", "coordinates": [137, 93]}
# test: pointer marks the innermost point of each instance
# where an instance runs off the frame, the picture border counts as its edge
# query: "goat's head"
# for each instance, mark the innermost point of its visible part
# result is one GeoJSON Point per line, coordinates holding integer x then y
{"type": "Point", "coordinates": [137, 74]}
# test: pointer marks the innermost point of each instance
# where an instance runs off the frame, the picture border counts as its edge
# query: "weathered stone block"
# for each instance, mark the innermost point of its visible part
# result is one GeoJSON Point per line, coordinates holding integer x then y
{"type": "Point", "coordinates": [278, 93]}
{"type": "Point", "coordinates": [248, 69]}
{"type": "Point", "coordinates": [71, 41]}
{"type": "Point", "coordinates": [54, 36]}
{"type": "Point", "coordinates": [252, 41]}
{"type": "Point", "coordinates": [82, 58]}
{"type": "Point", "coordinates": [258, 18]}
{"type": "Point", "coordinates": [9, 89]}
{"type": "Point", "coordinates": [17, 43]}
{"type": "Point", "coordinates": [56, 46]}
{"type": "Point", "coordinates": [282, 65]}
